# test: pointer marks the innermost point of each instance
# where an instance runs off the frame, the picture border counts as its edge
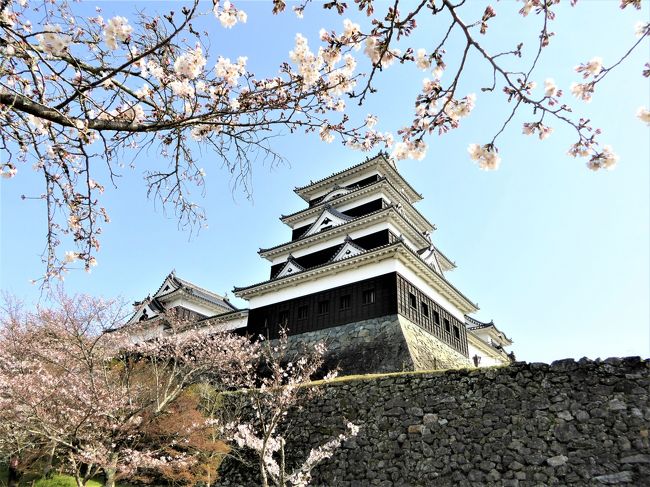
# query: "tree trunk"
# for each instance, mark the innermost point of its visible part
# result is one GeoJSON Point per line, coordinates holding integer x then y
{"type": "Point", "coordinates": [47, 470]}
{"type": "Point", "coordinates": [265, 481]}
{"type": "Point", "coordinates": [111, 471]}
{"type": "Point", "coordinates": [13, 476]}
{"type": "Point", "coordinates": [282, 466]}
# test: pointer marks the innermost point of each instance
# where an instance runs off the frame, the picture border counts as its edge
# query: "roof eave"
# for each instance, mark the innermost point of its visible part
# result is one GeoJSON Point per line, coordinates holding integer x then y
{"type": "Point", "coordinates": [306, 192]}
{"type": "Point", "coordinates": [344, 228]}
{"type": "Point", "coordinates": [422, 220]}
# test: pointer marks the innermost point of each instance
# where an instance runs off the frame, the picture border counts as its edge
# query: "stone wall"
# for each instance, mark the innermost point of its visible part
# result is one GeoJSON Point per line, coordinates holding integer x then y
{"type": "Point", "coordinates": [568, 423]}
{"type": "Point", "coordinates": [427, 352]}
{"type": "Point", "coordinates": [387, 344]}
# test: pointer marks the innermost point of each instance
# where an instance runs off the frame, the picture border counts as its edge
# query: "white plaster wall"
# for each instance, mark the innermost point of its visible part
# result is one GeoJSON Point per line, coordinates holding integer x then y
{"type": "Point", "coordinates": [204, 310]}
{"type": "Point", "coordinates": [486, 360]}
{"type": "Point", "coordinates": [145, 332]}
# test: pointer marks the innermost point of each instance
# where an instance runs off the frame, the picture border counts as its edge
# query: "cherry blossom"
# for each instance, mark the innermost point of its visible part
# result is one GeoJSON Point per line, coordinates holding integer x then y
{"type": "Point", "coordinates": [643, 114]}
{"type": "Point", "coordinates": [52, 41]}
{"type": "Point", "coordinates": [550, 88]}
{"type": "Point", "coordinates": [605, 159]}
{"type": "Point", "coordinates": [485, 156]}
{"type": "Point", "coordinates": [277, 391]}
{"type": "Point", "coordinates": [191, 63]}
{"type": "Point", "coordinates": [591, 68]}
{"type": "Point", "coordinates": [117, 29]}
{"type": "Point", "coordinates": [583, 91]}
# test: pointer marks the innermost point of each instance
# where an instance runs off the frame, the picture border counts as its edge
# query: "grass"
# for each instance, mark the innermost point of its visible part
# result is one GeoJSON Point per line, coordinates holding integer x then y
{"type": "Point", "coordinates": [360, 377]}
{"type": "Point", "coordinates": [56, 480]}
{"type": "Point", "coordinates": [63, 481]}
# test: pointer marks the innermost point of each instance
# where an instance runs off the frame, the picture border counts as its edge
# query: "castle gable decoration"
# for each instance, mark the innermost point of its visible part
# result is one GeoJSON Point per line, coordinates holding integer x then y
{"type": "Point", "coordinates": [291, 267]}
{"type": "Point", "coordinates": [348, 249]}
{"type": "Point", "coordinates": [329, 218]}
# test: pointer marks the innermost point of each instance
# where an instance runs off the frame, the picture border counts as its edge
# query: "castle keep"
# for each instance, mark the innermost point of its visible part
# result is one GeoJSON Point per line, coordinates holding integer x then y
{"type": "Point", "coordinates": [359, 271]}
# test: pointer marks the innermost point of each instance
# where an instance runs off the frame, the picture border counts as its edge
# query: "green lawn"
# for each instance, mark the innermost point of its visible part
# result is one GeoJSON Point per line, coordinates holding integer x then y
{"type": "Point", "coordinates": [55, 481]}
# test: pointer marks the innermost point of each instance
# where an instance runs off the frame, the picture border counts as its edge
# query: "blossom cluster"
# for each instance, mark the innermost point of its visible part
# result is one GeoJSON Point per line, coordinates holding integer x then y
{"type": "Point", "coordinates": [542, 130]}
{"type": "Point", "coordinates": [591, 68]}
{"type": "Point", "coordinates": [486, 156]}
{"type": "Point", "coordinates": [379, 53]}
{"type": "Point", "coordinates": [308, 63]}
{"type": "Point", "coordinates": [550, 88]}
{"type": "Point", "coordinates": [643, 114]}
{"type": "Point", "coordinates": [52, 41]}
{"type": "Point", "coordinates": [583, 91]}
{"type": "Point", "coordinates": [605, 159]}
{"type": "Point", "coordinates": [228, 15]}
{"type": "Point", "coordinates": [190, 64]}
{"type": "Point", "coordinates": [410, 149]}
{"type": "Point", "coordinates": [8, 170]}
{"type": "Point", "coordinates": [117, 29]}
{"type": "Point", "coordinates": [229, 71]}
{"type": "Point", "coordinates": [457, 109]}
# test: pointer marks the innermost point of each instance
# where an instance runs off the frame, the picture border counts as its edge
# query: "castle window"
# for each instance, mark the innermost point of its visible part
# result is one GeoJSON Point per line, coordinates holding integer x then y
{"type": "Point", "coordinates": [323, 307]}
{"type": "Point", "coordinates": [447, 325]}
{"type": "Point", "coordinates": [413, 301]}
{"type": "Point", "coordinates": [283, 317]}
{"type": "Point", "coordinates": [436, 317]}
{"type": "Point", "coordinates": [424, 307]}
{"type": "Point", "coordinates": [345, 302]}
{"type": "Point", "coordinates": [456, 332]}
{"type": "Point", "coordinates": [368, 296]}
{"type": "Point", "coordinates": [303, 311]}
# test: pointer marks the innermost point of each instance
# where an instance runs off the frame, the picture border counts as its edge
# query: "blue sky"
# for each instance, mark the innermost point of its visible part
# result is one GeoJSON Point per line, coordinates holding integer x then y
{"type": "Point", "coordinates": [557, 255]}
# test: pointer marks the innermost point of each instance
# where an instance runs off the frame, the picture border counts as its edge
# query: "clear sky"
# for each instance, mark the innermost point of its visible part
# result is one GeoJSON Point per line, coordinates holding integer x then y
{"type": "Point", "coordinates": [557, 255]}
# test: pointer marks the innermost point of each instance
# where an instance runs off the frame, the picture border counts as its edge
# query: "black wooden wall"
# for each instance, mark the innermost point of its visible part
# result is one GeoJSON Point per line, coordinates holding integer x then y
{"type": "Point", "coordinates": [268, 320]}
{"type": "Point", "coordinates": [392, 294]}
{"type": "Point", "coordinates": [416, 306]}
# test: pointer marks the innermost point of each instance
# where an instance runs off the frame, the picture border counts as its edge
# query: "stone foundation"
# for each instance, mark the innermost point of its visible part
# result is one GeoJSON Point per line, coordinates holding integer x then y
{"type": "Point", "coordinates": [429, 353]}
{"type": "Point", "coordinates": [387, 344]}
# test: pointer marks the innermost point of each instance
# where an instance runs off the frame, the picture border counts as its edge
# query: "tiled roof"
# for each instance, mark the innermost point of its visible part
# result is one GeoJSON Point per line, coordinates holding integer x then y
{"type": "Point", "coordinates": [197, 291]}
{"type": "Point", "coordinates": [474, 324]}
{"type": "Point", "coordinates": [381, 155]}
{"type": "Point", "coordinates": [372, 213]}
{"type": "Point", "coordinates": [369, 159]}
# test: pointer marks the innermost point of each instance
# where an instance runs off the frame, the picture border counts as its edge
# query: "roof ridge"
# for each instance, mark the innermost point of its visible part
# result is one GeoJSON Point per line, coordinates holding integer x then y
{"type": "Point", "coordinates": [367, 160]}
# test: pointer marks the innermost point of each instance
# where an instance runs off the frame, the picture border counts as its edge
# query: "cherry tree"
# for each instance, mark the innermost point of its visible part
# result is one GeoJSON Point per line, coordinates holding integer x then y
{"type": "Point", "coordinates": [281, 387]}
{"type": "Point", "coordinates": [96, 400]}
{"type": "Point", "coordinates": [77, 90]}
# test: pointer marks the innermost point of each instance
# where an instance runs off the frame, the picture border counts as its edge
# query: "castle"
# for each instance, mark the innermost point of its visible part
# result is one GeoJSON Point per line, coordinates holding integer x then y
{"type": "Point", "coordinates": [360, 272]}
